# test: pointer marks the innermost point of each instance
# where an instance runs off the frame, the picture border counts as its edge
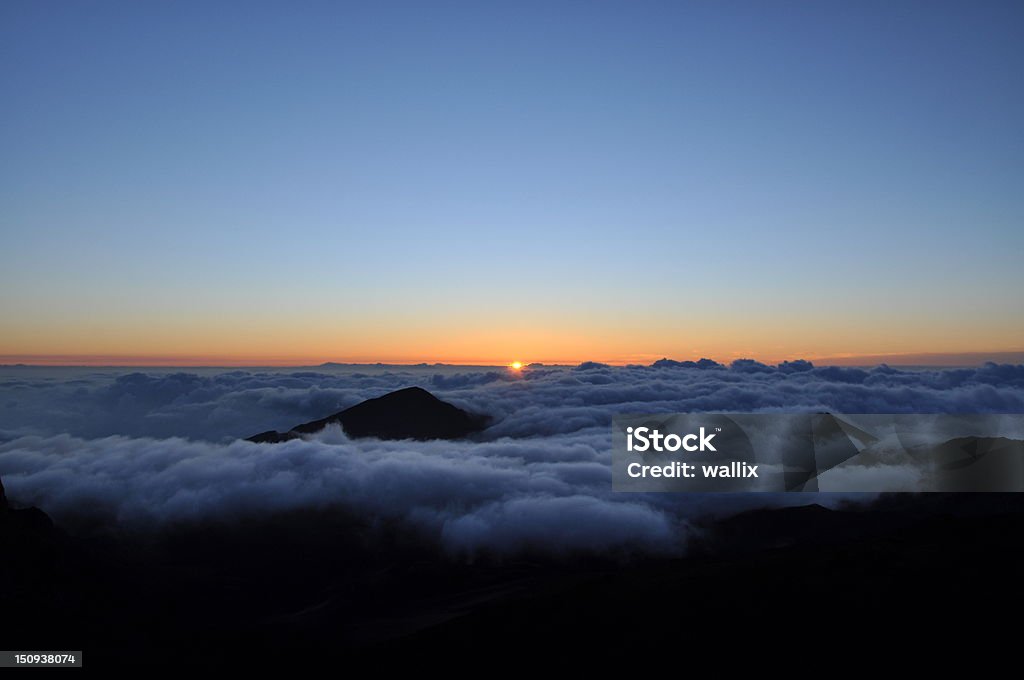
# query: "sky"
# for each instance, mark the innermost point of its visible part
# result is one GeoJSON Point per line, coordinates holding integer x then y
{"type": "Point", "coordinates": [479, 183]}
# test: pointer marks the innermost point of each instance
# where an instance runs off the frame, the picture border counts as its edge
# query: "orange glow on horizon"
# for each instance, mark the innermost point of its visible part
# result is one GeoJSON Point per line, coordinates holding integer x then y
{"type": "Point", "coordinates": [299, 361]}
{"type": "Point", "coordinates": [309, 337]}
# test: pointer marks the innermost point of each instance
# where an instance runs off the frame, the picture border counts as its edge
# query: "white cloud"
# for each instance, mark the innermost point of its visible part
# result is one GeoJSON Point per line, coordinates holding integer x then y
{"type": "Point", "coordinates": [139, 450]}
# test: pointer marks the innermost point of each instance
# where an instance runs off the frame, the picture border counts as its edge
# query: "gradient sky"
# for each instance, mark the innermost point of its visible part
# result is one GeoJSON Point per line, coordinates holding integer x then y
{"type": "Point", "coordinates": [480, 182]}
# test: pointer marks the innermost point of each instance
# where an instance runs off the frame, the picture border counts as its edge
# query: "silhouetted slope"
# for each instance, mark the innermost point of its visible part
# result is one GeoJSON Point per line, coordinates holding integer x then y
{"type": "Point", "coordinates": [410, 413]}
{"type": "Point", "coordinates": [28, 557]}
{"type": "Point", "coordinates": [23, 521]}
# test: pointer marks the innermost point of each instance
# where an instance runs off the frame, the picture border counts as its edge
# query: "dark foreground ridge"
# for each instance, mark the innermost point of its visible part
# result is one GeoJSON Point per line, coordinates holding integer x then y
{"type": "Point", "coordinates": [293, 589]}
{"type": "Point", "coordinates": [410, 413]}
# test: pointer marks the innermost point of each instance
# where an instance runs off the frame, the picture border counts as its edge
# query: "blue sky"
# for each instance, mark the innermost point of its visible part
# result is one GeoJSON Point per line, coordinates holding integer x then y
{"type": "Point", "coordinates": [633, 178]}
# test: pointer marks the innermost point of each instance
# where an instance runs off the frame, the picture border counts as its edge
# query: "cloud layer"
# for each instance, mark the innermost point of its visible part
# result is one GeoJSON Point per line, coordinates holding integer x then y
{"type": "Point", "coordinates": [143, 449]}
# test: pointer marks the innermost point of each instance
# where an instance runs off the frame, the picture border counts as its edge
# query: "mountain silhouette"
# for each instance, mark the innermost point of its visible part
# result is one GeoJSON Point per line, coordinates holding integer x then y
{"type": "Point", "coordinates": [410, 413]}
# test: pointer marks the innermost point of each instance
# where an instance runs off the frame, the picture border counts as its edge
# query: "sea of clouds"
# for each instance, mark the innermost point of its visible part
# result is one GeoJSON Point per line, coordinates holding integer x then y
{"type": "Point", "coordinates": [148, 447]}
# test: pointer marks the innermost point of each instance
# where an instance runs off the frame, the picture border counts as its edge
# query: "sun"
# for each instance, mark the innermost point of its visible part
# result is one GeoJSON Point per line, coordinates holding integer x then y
{"type": "Point", "coordinates": [516, 365]}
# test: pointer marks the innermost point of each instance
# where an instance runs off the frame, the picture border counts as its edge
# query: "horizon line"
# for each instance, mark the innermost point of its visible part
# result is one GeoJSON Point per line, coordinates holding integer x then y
{"type": "Point", "coordinates": [936, 359]}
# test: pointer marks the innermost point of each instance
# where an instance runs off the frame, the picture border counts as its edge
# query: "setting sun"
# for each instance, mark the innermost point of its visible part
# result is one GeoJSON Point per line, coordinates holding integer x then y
{"type": "Point", "coordinates": [516, 365]}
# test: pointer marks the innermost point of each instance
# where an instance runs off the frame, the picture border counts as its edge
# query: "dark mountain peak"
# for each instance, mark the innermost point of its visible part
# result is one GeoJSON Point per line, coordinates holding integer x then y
{"type": "Point", "coordinates": [408, 413]}
{"type": "Point", "coordinates": [412, 394]}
